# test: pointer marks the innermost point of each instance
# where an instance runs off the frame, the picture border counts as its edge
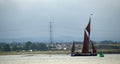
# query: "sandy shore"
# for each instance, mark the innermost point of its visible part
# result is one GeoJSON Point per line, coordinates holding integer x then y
{"type": "Point", "coordinates": [59, 59]}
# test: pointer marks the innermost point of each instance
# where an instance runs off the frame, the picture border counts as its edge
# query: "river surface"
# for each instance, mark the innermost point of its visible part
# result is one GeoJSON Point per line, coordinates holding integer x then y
{"type": "Point", "coordinates": [59, 59]}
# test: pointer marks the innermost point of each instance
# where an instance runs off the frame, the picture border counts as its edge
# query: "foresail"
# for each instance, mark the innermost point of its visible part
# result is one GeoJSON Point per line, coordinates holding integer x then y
{"type": "Point", "coordinates": [93, 48]}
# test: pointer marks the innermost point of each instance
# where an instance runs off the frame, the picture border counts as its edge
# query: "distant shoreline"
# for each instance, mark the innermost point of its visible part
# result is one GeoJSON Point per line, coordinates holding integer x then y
{"type": "Point", "coordinates": [49, 52]}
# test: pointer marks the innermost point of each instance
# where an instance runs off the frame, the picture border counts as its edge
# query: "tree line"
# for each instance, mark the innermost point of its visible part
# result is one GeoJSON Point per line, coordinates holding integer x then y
{"type": "Point", "coordinates": [14, 46]}
{"type": "Point", "coordinates": [42, 46]}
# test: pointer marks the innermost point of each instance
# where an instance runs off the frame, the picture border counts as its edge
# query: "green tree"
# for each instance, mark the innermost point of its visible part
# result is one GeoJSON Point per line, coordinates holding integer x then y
{"type": "Point", "coordinates": [27, 45]}
{"type": "Point", "coordinates": [43, 47]}
{"type": "Point", "coordinates": [33, 46]}
{"type": "Point", "coordinates": [6, 48]}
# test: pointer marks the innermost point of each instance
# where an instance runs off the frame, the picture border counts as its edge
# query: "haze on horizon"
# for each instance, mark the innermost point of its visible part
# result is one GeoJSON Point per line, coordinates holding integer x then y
{"type": "Point", "coordinates": [29, 19]}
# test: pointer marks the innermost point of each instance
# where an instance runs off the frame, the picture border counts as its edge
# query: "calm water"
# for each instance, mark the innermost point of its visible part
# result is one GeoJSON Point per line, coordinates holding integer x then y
{"type": "Point", "coordinates": [59, 59]}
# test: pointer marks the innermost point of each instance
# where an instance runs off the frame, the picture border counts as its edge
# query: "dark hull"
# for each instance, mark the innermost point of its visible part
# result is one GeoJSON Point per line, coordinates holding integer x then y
{"type": "Point", "coordinates": [83, 54]}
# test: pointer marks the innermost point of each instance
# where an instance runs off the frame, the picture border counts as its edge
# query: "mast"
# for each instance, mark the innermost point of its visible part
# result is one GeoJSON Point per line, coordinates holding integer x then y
{"type": "Point", "coordinates": [90, 41]}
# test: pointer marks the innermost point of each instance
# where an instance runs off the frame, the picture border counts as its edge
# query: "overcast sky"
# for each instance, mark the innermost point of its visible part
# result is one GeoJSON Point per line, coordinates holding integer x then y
{"type": "Point", "coordinates": [30, 19]}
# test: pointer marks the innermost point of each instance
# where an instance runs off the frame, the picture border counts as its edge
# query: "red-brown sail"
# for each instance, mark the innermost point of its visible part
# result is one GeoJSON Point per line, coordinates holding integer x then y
{"type": "Point", "coordinates": [85, 48]}
{"type": "Point", "coordinates": [88, 26]}
{"type": "Point", "coordinates": [93, 48]}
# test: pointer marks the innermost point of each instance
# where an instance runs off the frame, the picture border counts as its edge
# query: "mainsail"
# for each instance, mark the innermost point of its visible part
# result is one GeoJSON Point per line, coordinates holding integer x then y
{"type": "Point", "coordinates": [88, 26]}
{"type": "Point", "coordinates": [85, 48]}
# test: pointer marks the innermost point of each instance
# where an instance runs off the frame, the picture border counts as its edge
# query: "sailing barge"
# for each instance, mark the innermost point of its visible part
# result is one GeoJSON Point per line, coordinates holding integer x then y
{"type": "Point", "coordinates": [86, 43]}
